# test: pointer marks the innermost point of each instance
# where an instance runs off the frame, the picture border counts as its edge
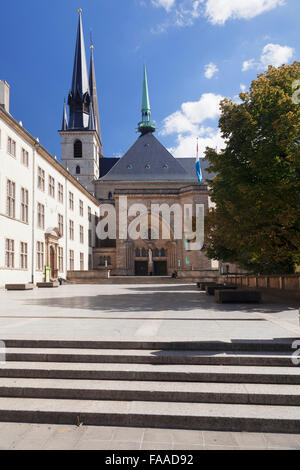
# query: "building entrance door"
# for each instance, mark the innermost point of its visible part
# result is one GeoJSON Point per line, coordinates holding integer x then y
{"type": "Point", "coordinates": [52, 262]}
{"type": "Point", "coordinates": [141, 268]}
{"type": "Point", "coordinates": [160, 268]}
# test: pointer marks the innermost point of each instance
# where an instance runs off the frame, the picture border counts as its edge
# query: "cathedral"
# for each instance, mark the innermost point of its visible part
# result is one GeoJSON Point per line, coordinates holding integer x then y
{"type": "Point", "coordinates": [146, 174]}
{"type": "Point", "coordinates": [50, 211]}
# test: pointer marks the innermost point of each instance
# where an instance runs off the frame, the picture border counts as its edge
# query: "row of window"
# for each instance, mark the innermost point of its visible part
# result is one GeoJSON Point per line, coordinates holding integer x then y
{"type": "Point", "coordinates": [60, 191]}
{"type": "Point", "coordinates": [72, 231]}
{"type": "Point", "coordinates": [24, 207]}
{"type": "Point", "coordinates": [156, 253]}
{"type": "Point", "coordinates": [10, 256]}
{"type": "Point", "coordinates": [11, 202]}
{"type": "Point", "coordinates": [12, 150]}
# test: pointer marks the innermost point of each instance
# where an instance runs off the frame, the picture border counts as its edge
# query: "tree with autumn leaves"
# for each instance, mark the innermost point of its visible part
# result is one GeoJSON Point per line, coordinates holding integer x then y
{"type": "Point", "coordinates": [256, 190]}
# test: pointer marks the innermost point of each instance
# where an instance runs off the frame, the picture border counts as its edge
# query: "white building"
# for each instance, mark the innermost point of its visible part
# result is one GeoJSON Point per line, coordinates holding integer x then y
{"type": "Point", "coordinates": [47, 218]}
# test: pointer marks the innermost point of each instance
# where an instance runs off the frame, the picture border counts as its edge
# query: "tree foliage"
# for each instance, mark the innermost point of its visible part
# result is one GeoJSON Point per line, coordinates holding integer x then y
{"type": "Point", "coordinates": [256, 221]}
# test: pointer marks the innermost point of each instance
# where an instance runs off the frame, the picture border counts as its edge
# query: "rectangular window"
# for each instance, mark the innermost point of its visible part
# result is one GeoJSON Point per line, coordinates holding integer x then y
{"type": "Point", "coordinates": [40, 256]}
{"type": "Point", "coordinates": [23, 255]}
{"type": "Point", "coordinates": [81, 234]}
{"type": "Point", "coordinates": [90, 214]}
{"type": "Point", "coordinates": [61, 224]}
{"type": "Point", "coordinates": [25, 158]}
{"type": "Point", "coordinates": [41, 179]}
{"type": "Point", "coordinates": [11, 199]}
{"type": "Point", "coordinates": [90, 238]}
{"type": "Point", "coordinates": [41, 216]}
{"type": "Point", "coordinates": [11, 147]}
{"type": "Point", "coordinates": [9, 253]}
{"type": "Point", "coordinates": [71, 229]}
{"type": "Point", "coordinates": [71, 201]}
{"type": "Point", "coordinates": [24, 205]}
{"type": "Point", "coordinates": [60, 259]}
{"type": "Point", "coordinates": [71, 260]}
{"type": "Point", "coordinates": [60, 193]}
{"type": "Point", "coordinates": [81, 261]}
{"type": "Point", "coordinates": [51, 186]}
{"type": "Point", "coordinates": [81, 208]}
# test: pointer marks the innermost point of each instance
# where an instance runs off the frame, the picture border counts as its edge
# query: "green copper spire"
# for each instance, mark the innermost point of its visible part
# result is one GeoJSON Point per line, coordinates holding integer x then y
{"type": "Point", "coordinates": [146, 125]}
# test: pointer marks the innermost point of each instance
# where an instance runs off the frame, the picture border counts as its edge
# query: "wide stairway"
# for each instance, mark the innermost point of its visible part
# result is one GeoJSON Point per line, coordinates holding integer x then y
{"type": "Point", "coordinates": [238, 386]}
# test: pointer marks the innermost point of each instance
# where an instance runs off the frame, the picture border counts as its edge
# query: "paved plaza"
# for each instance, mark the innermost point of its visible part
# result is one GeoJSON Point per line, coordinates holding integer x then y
{"type": "Point", "coordinates": [136, 313]}
{"type": "Point", "coordinates": [141, 312]}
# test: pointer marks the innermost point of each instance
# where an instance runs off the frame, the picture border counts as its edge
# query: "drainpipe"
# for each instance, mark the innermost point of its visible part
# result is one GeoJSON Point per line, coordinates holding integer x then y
{"type": "Point", "coordinates": [36, 146]}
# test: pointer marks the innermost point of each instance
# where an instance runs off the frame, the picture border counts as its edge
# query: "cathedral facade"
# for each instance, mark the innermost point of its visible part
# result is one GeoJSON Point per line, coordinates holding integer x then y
{"type": "Point", "coordinates": [145, 175]}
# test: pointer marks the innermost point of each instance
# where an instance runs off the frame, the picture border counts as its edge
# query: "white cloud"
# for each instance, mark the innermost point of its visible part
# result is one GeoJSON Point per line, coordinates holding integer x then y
{"type": "Point", "coordinates": [186, 145]}
{"type": "Point", "coordinates": [248, 64]}
{"type": "Point", "coordinates": [210, 70]}
{"type": "Point", "coordinates": [243, 88]}
{"type": "Point", "coordinates": [219, 11]}
{"type": "Point", "coordinates": [187, 123]}
{"type": "Point", "coordinates": [272, 54]}
{"type": "Point", "coordinates": [184, 12]}
{"type": "Point", "coordinates": [166, 4]}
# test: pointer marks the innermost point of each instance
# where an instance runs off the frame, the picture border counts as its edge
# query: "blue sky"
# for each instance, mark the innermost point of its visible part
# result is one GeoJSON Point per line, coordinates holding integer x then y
{"type": "Point", "coordinates": [196, 52]}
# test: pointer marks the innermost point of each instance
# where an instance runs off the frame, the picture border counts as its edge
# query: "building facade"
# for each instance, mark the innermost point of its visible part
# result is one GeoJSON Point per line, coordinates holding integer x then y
{"type": "Point", "coordinates": [47, 217]}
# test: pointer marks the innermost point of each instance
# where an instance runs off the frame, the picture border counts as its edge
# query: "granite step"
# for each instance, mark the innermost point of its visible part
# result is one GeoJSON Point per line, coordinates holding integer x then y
{"type": "Point", "coordinates": [243, 345]}
{"type": "Point", "coordinates": [152, 372]}
{"type": "Point", "coordinates": [181, 392]}
{"type": "Point", "coordinates": [247, 358]}
{"type": "Point", "coordinates": [204, 416]}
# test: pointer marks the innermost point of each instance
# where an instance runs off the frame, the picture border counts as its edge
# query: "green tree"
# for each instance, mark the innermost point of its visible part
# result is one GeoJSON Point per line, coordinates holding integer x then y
{"type": "Point", "coordinates": [256, 222]}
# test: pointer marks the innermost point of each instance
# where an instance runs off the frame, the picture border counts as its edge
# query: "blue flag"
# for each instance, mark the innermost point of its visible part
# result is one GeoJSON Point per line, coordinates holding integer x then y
{"type": "Point", "coordinates": [198, 166]}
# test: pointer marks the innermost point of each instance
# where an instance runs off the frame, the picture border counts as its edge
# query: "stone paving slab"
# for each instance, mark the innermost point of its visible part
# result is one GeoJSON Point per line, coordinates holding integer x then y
{"type": "Point", "coordinates": [15, 436]}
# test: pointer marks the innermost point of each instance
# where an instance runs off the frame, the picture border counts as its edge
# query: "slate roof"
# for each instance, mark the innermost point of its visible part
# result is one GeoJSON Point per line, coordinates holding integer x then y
{"type": "Point", "coordinates": [149, 160]}
{"type": "Point", "coordinates": [106, 165]}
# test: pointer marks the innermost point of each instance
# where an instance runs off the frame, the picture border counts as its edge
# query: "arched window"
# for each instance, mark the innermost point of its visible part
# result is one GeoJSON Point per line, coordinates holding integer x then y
{"type": "Point", "coordinates": [163, 253]}
{"type": "Point", "coordinates": [78, 149]}
{"type": "Point", "coordinates": [156, 253]}
{"type": "Point", "coordinates": [144, 253]}
{"type": "Point", "coordinates": [78, 170]}
{"type": "Point", "coordinates": [110, 196]}
{"type": "Point", "coordinates": [137, 253]}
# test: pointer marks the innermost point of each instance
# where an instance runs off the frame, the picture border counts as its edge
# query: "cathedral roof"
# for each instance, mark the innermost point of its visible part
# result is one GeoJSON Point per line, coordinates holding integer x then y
{"type": "Point", "coordinates": [149, 160]}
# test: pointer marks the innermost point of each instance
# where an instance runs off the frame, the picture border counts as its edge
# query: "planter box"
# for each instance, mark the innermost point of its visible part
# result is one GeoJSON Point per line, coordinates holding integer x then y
{"type": "Point", "coordinates": [19, 286]}
{"type": "Point", "coordinates": [48, 285]}
{"type": "Point", "coordinates": [210, 290]}
{"type": "Point", "coordinates": [238, 296]}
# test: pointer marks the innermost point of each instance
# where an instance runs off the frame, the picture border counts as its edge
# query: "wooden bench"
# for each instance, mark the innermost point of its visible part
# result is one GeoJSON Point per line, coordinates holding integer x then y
{"type": "Point", "coordinates": [240, 296]}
